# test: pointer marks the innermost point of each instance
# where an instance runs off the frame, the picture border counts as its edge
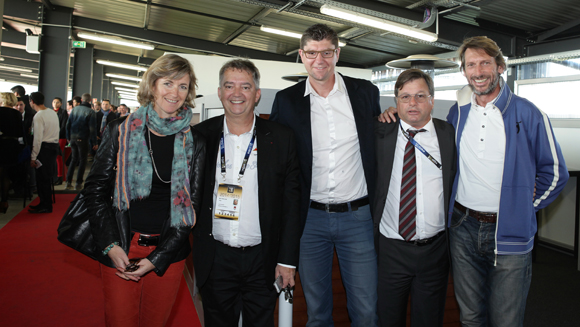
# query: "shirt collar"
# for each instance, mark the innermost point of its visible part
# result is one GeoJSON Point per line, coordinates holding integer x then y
{"type": "Point", "coordinates": [338, 86]}
{"type": "Point", "coordinates": [429, 127]}
{"type": "Point", "coordinates": [227, 130]}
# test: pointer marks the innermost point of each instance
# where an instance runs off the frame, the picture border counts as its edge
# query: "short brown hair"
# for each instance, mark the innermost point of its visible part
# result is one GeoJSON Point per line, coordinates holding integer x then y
{"type": "Point", "coordinates": [486, 44]}
{"type": "Point", "coordinates": [243, 65]}
{"type": "Point", "coordinates": [86, 97]}
{"type": "Point", "coordinates": [171, 66]}
{"type": "Point", "coordinates": [8, 99]}
{"type": "Point", "coordinates": [319, 32]}
{"type": "Point", "coordinates": [410, 75]}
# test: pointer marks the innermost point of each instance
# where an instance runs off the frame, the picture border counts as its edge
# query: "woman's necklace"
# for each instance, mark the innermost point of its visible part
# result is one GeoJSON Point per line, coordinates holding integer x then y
{"type": "Point", "coordinates": [153, 159]}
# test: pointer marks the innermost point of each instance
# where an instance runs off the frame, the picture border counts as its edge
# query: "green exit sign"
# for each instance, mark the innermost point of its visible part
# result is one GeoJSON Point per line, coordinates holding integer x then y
{"type": "Point", "coordinates": [79, 44]}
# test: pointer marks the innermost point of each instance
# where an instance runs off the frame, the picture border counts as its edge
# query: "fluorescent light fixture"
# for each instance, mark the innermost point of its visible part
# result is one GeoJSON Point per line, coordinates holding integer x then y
{"type": "Point", "coordinates": [127, 77]}
{"type": "Point", "coordinates": [15, 69]}
{"type": "Point", "coordinates": [115, 40]}
{"type": "Point", "coordinates": [378, 23]}
{"type": "Point", "coordinates": [122, 65]}
{"type": "Point", "coordinates": [290, 34]}
{"type": "Point", "coordinates": [128, 95]}
{"type": "Point", "coordinates": [124, 89]}
{"type": "Point", "coordinates": [125, 84]}
{"type": "Point", "coordinates": [280, 32]}
{"type": "Point", "coordinates": [29, 75]}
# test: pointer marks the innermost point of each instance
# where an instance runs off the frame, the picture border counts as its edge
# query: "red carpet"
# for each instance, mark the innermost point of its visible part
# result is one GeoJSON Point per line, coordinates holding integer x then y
{"type": "Point", "coordinates": [45, 283]}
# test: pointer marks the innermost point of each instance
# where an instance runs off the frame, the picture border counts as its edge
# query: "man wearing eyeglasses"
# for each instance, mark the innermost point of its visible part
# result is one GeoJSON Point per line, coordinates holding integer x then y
{"type": "Point", "coordinates": [415, 171]}
{"type": "Point", "coordinates": [332, 117]}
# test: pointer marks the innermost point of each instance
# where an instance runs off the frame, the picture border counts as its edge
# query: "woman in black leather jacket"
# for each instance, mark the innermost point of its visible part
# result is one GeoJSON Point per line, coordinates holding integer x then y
{"type": "Point", "coordinates": [144, 189]}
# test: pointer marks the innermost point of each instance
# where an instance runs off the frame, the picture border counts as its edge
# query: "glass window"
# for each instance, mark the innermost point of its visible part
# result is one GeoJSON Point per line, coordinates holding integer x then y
{"type": "Point", "coordinates": [552, 95]}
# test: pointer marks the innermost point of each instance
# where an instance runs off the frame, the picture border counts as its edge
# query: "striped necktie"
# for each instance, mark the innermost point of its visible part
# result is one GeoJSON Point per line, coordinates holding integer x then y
{"type": "Point", "coordinates": [408, 206]}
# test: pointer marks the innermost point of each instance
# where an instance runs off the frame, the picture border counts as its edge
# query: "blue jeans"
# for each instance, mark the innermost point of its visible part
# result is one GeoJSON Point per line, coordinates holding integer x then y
{"type": "Point", "coordinates": [352, 234]}
{"type": "Point", "coordinates": [487, 294]}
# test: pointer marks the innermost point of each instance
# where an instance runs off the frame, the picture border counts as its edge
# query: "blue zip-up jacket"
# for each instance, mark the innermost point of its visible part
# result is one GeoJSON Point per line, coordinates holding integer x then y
{"type": "Point", "coordinates": [82, 124]}
{"type": "Point", "coordinates": [532, 156]}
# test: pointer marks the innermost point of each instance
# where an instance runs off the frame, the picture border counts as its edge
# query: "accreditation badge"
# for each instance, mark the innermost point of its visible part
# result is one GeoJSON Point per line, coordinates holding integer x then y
{"type": "Point", "coordinates": [229, 200]}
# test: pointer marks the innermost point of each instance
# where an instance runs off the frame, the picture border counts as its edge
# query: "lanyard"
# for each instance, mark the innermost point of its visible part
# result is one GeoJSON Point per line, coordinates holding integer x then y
{"type": "Point", "coordinates": [246, 157]}
{"type": "Point", "coordinates": [420, 148]}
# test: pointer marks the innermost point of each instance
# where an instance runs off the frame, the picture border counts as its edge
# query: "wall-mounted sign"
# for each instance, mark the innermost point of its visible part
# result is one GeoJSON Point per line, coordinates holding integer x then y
{"type": "Point", "coordinates": [79, 44]}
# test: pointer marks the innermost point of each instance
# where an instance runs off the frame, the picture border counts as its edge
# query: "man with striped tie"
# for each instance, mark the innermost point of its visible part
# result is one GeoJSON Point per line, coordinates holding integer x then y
{"type": "Point", "coordinates": [416, 164]}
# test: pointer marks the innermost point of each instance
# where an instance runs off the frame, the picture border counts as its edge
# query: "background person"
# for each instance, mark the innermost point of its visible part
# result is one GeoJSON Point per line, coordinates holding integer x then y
{"type": "Point", "coordinates": [44, 151]}
{"type": "Point", "coordinates": [81, 133]}
{"type": "Point", "coordinates": [155, 196]}
{"type": "Point", "coordinates": [10, 143]}
{"type": "Point", "coordinates": [62, 141]}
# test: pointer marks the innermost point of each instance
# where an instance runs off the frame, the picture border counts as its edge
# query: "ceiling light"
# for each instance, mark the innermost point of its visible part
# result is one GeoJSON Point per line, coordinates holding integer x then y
{"type": "Point", "coordinates": [124, 89]}
{"type": "Point", "coordinates": [128, 96]}
{"type": "Point", "coordinates": [378, 23]}
{"type": "Point", "coordinates": [29, 75]}
{"type": "Point", "coordinates": [290, 34]}
{"type": "Point", "coordinates": [127, 77]}
{"type": "Point", "coordinates": [122, 65]}
{"type": "Point", "coordinates": [125, 84]}
{"type": "Point", "coordinates": [280, 32]}
{"type": "Point", "coordinates": [115, 40]}
{"type": "Point", "coordinates": [15, 69]}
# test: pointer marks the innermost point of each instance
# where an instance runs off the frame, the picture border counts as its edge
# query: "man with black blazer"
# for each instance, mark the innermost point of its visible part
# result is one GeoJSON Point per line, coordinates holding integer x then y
{"type": "Point", "coordinates": [332, 118]}
{"type": "Point", "coordinates": [416, 165]}
{"type": "Point", "coordinates": [248, 232]}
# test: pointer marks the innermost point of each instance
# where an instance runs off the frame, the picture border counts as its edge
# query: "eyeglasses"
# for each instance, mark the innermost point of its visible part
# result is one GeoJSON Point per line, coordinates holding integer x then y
{"type": "Point", "coordinates": [419, 98]}
{"type": "Point", "coordinates": [311, 54]}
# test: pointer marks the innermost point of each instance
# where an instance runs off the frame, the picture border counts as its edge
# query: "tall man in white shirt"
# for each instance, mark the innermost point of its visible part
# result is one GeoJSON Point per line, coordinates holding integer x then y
{"type": "Point", "coordinates": [416, 163]}
{"type": "Point", "coordinates": [332, 118]}
{"type": "Point", "coordinates": [248, 232]}
{"type": "Point", "coordinates": [44, 151]}
{"type": "Point", "coordinates": [509, 167]}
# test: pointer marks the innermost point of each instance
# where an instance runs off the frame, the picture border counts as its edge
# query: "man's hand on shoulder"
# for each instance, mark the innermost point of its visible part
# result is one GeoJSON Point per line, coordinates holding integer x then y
{"type": "Point", "coordinates": [388, 116]}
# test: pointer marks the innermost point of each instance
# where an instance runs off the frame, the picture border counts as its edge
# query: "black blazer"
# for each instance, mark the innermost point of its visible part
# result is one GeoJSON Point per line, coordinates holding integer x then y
{"type": "Point", "coordinates": [292, 108]}
{"type": "Point", "coordinates": [386, 141]}
{"type": "Point", "coordinates": [278, 197]}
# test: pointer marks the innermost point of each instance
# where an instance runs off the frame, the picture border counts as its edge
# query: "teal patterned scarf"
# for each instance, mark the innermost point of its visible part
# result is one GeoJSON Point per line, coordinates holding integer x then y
{"type": "Point", "coordinates": [134, 167]}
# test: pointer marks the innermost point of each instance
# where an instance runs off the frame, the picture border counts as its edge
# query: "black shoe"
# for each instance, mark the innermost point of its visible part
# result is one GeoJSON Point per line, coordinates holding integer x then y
{"type": "Point", "coordinates": [36, 207]}
{"type": "Point", "coordinates": [58, 181]}
{"type": "Point", "coordinates": [40, 210]}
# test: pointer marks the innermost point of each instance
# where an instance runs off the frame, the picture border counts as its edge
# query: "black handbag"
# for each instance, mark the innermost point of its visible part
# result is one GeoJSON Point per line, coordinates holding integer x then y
{"type": "Point", "coordinates": [74, 229]}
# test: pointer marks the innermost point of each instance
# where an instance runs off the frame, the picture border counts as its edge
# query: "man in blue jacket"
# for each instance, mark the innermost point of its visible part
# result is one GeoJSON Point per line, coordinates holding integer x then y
{"type": "Point", "coordinates": [509, 167]}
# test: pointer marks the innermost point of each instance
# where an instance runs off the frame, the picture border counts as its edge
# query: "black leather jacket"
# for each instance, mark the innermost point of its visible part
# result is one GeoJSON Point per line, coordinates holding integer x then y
{"type": "Point", "coordinates": [109, 225]}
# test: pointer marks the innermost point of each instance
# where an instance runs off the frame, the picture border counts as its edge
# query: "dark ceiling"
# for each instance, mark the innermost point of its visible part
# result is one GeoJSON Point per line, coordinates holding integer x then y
{"type": "Point", "coordinates": [232, 27]}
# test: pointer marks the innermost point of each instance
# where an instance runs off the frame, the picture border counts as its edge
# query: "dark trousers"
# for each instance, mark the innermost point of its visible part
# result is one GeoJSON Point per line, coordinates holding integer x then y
{"type": "Point", "coordinates": [422, 272]}
{"type": "Point", "coordinates": [236, 283]}
{"type": "Point", "coordinates": [79, 153]}
{"type": "Point", "coordinates": [44, 174]}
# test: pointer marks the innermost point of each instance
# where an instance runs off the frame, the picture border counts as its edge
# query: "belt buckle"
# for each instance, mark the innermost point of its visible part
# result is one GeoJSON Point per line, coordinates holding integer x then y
{"type": "Point", "coordinates": [327, 207]}
{"type": "Point", "coordinates": [143, 239]}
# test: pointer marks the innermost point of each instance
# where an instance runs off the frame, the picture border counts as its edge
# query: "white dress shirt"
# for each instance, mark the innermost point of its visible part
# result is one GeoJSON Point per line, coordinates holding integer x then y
{"type": "Point", "coordinates": [430, 218]}
{"type": "Point", "coordinates": [481, 158]}
{"type": "Point", "coordinates": [246, 230]}
{"type": "Point", "coordinates": [337, 170]}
